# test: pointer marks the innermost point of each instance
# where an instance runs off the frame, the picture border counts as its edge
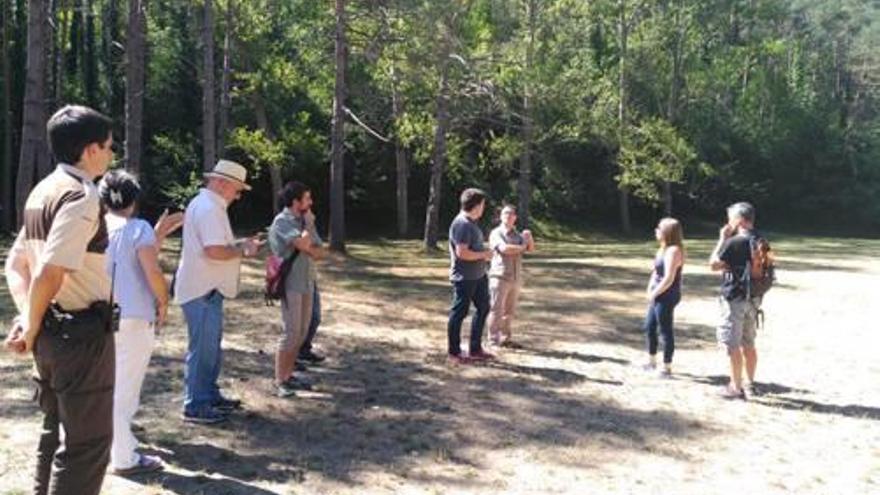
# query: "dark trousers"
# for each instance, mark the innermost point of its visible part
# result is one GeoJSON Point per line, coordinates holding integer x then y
{"type": "Point", "coordinates": [313, 324]}
{"type": "Point", "coordinates": [660, 317]}
{"type": "Point", "coordinates": [75, 390]}
{"type": "Point", "coordinates": [463, 293]}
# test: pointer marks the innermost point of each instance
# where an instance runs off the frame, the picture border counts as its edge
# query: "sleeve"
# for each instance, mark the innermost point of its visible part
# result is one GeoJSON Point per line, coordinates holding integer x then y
{"type": "Point", "coordinates": [725, 254]}
{"type": "Point", "coordinates": [460, 234]}
{"type": "Point", "coordinates": [72, 229]}
{"type": "Point", "coordinates": [212, 226]}
{"type": "Point", "coordinates": [282, 233]}
{"type": "Point", "coordinates": [143, 235]}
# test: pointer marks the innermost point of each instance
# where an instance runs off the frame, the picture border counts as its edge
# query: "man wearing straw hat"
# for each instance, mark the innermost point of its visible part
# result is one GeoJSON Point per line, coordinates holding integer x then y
{"type": "Point", "coordinates": [208, 273]}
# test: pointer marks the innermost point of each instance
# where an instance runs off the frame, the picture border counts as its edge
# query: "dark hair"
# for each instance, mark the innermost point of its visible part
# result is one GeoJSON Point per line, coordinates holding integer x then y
{"type": "Point", "coordinates": [471, 198]}
{"type": "Point", "coordinates": [73, 128]}
{"type": "Point", "coordinates": [293, 190]}
{"type": "Point", "coordinates": [118, 189]}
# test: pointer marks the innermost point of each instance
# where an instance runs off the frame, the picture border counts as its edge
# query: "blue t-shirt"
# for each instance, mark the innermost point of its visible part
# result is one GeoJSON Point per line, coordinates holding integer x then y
{"type": "Point", "coordinates": [131, 291]}
{"type": "Point", "coordinates": [465, 231]}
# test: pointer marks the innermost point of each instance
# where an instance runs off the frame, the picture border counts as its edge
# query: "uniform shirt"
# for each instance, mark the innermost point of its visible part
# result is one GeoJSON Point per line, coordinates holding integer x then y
{"type": "Point", "coordinates": [63, 226]}
{"type": "Point", "coordinates": [205, 223]}
{"type": "Point", "coordinates": [285, 228]}
{"type": "Point", "coordinates": [505, 267]}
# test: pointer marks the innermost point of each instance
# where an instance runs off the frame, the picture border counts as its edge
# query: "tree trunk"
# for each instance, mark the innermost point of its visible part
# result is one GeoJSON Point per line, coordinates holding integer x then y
{"type": "Point", "coordinates": [7, 204]}
{"type": "Point", "coordinates": [274, 169]}
{"type": "Point", "coordinates": [90, 64]}
{"type": "Point", "coordinates": [622, 31]}
{"type": "Point", "coordinates": [438, 156]}
{"type": "Point", "coordinates": [110, 34]}
{"type": "Point", "coordinates": [524, 184]}
{"type": "Point", "coordinates": [401, 160]}
{"type": "Point", "coordinates": [337, 137]}
{"type": "Point", "coordinates": [674, 92]}
{"type": "Point", "coordinates": [225, 80]}
{"type": "Point", "coordinates": [209, 126]}
{"type": "Point", "coordinates": [134, 88]}
{"type": "Point", "coordinates": [58, 57]}
{"type": "Point", "coordinates": [33, 157]}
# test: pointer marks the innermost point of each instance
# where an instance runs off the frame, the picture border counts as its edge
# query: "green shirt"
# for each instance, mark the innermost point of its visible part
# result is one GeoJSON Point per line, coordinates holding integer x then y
{"type": "Point", "coordinates": [285, 228]}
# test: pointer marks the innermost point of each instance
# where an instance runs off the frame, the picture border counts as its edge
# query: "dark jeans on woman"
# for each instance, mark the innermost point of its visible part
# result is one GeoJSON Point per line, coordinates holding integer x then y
{"type": "Point", "coordinates": [660, 317]}
{"type": "Point", "coordinates": [463, 293]}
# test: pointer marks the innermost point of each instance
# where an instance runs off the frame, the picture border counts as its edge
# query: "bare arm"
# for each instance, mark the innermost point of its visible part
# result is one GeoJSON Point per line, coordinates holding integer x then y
{"type": "Point", "coordinates": [44, 286]}
{"type": "Point", "coordinates": [715, 262]}
{"type": "Point", "coordinates": [149, 260]}
{"type": "Point", "coordinates": [223, 253]}
{"type": "Point", "coordinates": [463, 252]}
{"type": "Point", "coordinates": [18, 273]}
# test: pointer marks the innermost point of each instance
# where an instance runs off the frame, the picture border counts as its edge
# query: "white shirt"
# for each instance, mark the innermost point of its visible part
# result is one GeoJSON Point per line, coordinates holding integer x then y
{"type": "Point", "coordinates": [205, 223]}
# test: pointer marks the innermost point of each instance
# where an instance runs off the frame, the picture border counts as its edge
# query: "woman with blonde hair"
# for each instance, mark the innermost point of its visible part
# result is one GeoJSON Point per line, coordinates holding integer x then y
{"type": "Point", "coordinates": [664, 293]}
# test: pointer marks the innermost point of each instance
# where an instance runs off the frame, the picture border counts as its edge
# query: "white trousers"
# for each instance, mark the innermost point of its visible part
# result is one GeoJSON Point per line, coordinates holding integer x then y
{"type": "Point", "coordinates": [134, 345]}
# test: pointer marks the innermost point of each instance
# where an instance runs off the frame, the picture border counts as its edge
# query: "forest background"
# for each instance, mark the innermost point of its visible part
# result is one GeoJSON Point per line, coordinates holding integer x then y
{"type": "Point", "coordinates": [602, 114]}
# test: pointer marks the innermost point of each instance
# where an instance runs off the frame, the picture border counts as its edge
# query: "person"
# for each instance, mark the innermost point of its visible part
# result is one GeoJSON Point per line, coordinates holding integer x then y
{"type": "Point", "coordinates": [467, 272]}
{"type": "Point", "coordinates": [140, 290]}
{"type": "Point", "coordinates": [664, 293]}
{"type": "Point", "coordinates": [57, 277]}
{"type": "Point", "coordinates": [208, 274]}
{"type": "Point", "coordinates": [738, 327]}
{"type": "Point", "coordinates": [307, 351]}
{"type": "Point", "coordinates": [293, 233]}
{"type": "Point", "coordinates": [505, 275]}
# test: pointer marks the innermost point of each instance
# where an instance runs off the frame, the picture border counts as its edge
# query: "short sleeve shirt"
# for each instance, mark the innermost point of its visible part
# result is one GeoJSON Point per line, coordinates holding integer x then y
{"type": "Point", "coordinates": [206, 223]}
{"type": "Point", "coordinates": [465, 231]}
{"type": "Point", "coordinates": [63, 226]}
{"type": "Point", "coordinates": [736, 253]}
{"type": "Point", "coordinates": [285, 228]}
{"type": "Point", "coordinates": [131, 290]}
{"type": "Point", "coordinates": [505, 267]}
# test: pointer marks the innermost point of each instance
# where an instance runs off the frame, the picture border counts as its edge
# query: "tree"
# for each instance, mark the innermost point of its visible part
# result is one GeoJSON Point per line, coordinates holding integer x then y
{"type": "Point", "coordinates": [134, 87]}
{"type": "Point", "coordinates": [33, 160]}
{"type": "Point", "coordinates": [226, 78]}
{"type": "Point", "coordinates": [7, 206]}
{"type": "Point", "coordinates": [209, 126]}
{"type": "Point", "coordinates": [337, 136]}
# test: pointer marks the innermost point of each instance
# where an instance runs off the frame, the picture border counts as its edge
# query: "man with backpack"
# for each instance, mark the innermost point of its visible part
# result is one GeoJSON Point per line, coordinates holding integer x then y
{"type": "Point", "coordinates": [743, 257]}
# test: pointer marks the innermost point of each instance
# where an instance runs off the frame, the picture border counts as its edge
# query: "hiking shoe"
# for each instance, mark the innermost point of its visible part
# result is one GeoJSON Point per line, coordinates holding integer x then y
{"type": "Point", "coordinates": [226, 405]}
{"type": "Point", "coordinates": [311, 357]}
{"type": "Point", "coordinates": [750, 390]}
{"type": "Point", "coordinates": [481, 355]}
{"type": "Point", "coordinates": [457, 360]}
{"type": "Point", "coordinates": [728, 393]}
{"type": "Point", "coordinates": [204, 416]}
{"type": "Point", "coordinates": [145, 464]}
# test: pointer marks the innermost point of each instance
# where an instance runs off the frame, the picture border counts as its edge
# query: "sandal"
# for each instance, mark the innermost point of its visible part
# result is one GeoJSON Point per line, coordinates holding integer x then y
{"type": "Point", "coordinates": [145, 464]}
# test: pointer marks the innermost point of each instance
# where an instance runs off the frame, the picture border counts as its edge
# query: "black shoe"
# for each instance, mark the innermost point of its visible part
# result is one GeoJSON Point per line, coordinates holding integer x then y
{"type": "Point", "coordinates": [296, 383]}
{"type": "Point", "coordinates": [311, 357]}
{"type": "Point", "coordinates": [204, 416]}
{"type": "Point", "coordinates": [226, 405]}
{"type": "Point", "coordinates": [300, 366]}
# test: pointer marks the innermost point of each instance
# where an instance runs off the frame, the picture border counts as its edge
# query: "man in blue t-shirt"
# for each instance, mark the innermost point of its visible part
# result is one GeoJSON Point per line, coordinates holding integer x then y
{"type": "Point", "coordinates": [467, 272]}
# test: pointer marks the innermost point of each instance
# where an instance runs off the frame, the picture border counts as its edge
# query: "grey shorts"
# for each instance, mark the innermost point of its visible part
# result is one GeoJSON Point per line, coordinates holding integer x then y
{"type": "Point", "coordinates": [739, 323]}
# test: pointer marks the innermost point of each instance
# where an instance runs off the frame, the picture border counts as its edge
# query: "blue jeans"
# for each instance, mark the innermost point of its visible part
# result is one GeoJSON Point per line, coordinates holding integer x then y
{"type": "Point", "coordinates": [660, 317]}
{"type": "Point", "coordinates": [314, 323]}
{"type": "Point", "coordinates": [204, 321]}
{"type": "Point", "coordinates": [463, 293]}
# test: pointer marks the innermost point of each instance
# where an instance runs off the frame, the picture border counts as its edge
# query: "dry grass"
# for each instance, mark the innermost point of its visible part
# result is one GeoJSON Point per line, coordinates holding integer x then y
{"type": "Point", "coordinates": [567, 414]}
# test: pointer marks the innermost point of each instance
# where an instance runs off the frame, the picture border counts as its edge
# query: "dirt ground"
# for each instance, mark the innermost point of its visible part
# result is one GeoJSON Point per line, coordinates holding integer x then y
{"type": "Point", "coordinates": [569, 413]}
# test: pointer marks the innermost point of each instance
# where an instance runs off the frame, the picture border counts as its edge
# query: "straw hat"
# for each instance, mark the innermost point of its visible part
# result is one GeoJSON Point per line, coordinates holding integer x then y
{"type": "Point", "coordinates": [229, 170]}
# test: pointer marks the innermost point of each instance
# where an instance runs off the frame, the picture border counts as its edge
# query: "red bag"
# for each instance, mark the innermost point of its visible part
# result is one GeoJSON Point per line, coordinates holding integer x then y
{"type": "Point", "coordinates": [277, 270]}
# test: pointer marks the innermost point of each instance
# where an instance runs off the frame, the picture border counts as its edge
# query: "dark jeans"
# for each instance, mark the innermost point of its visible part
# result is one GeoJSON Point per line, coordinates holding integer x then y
{"type": "Point", "coordinates": [75, 389]}
{"type": "Point", "coordinates": [660, 316]}
{"type": "Point", "coordinates": [313, 324]}
{"type": "Point", "coordinates": [463, 293]}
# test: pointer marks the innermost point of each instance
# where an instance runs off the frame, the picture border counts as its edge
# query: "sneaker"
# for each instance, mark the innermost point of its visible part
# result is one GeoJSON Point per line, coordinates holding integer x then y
{"type": "Point", "coordinates": [457, 360]}
{"type": "Point", "coordinates": [300, 366]}
{"type": "Point", "coordinates": [649, 367]}
{"type": "Point", "coordinates": [284, 390]}
{"type": "Point", "coordinates": [298, 383]}
{"type": "Point", "coordinates": [510, 344]}
{"type": "Point", "coordinates": [145, 464]}
{"type": "Point", "coordinates": [311, 357]}
{"type": "Point", "coordinates": [728, 393]}
{"type": "Point", "coordinates": [226, 405]}
{"type": "Point", "coordinates": [205, 416]}
{"type": "Point", "coordinates": [751, 390]}
{"type": "Point", "coordinates": [481, 355]}
{"type": "Point", "coordinates": [664, 373]}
